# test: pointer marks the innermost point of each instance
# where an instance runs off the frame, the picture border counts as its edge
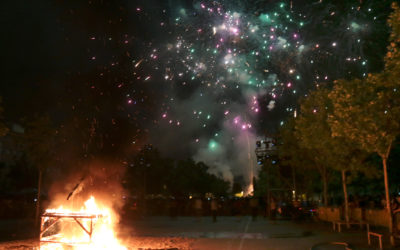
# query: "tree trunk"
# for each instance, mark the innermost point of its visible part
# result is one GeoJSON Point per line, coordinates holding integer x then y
{"type": "Point", "coordinates": [388, 208]}
{"type": "Point", "coordinates": [325, 186]}
{"type": "Point", "coordinates": [38, 198]}
{"type": "Point", "coordinates": [346, 199]}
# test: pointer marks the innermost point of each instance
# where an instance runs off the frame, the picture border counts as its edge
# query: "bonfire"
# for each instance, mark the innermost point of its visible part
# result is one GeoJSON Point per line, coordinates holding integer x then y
{"type": "Point", "coordinates": [90, 227]}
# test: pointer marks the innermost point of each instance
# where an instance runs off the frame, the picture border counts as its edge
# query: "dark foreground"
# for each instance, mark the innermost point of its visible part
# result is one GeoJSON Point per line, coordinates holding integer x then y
{"type": "Point", "coordinates": [227, 233]}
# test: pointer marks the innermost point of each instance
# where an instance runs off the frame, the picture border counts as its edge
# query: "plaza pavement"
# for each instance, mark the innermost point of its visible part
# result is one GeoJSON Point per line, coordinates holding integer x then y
{"type": "Point", "coordinates": [245, 234]}
{"type": "Point", "coordinates": [231, 233]}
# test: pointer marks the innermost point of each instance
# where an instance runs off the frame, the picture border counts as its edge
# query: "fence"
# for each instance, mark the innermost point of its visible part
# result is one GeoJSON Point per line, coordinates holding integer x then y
{"type": "Point", "coordinates": [377, 217]}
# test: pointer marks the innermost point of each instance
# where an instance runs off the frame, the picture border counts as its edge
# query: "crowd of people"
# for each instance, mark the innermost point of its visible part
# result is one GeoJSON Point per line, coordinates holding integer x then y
{"type": "Point", "coordinates": [222, 206]}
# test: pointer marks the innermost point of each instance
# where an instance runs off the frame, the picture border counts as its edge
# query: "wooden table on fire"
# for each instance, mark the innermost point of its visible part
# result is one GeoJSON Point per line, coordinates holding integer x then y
{"type": "Point", "coordinates": [57, 216]}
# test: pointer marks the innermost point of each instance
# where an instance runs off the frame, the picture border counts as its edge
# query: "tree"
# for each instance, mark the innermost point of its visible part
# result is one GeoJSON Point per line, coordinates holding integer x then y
{"type": "Point", "coordinates": [368, 111]}
{"type": "Point", "coordinates": [300, 159]}
{"type": "Point", "coordinates": [188, 177]}
{"type": "Point", "coordinates": [313, 133]}
{"type": "Point", "coordinates": [149, 173]}
{"type": "Point", "coordinates": [39, 142]}
{"type": "Point", "coordinates": [333, 153]}
{"type": "Point", "coordinates": [392, 58]}
{"type": "Point", "coordinates": [364, 113]}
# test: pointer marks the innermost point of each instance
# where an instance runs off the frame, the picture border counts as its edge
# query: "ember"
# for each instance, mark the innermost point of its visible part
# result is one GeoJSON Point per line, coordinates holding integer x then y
{"type": "Point", "coordinates": [90, 227]}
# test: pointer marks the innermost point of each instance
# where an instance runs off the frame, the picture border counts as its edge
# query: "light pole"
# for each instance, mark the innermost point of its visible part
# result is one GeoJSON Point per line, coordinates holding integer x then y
{"type": "Point", "coordinates": [264, 149]}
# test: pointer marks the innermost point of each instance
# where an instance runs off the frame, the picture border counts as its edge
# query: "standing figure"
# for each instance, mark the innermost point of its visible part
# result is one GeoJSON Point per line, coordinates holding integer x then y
{"type": "Point", "coordinates": [396, 215]}
{"type": "Point", "coordinates": [214, 209]}
{"type": "Point", "coordinates": [254, 207]}
{"type": "Point", "coordinates": [198, 206]}
{"type": "Point", "coordinates": [173, 208]}
{"type": "Point", "coordinates": [237, 209]}
{"type": "Point", "coordinates": [273, 209]}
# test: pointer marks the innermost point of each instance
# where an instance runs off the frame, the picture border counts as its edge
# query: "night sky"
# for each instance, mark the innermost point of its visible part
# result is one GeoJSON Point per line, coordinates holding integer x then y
{"type": "Point", "coordinates": [201, 79]}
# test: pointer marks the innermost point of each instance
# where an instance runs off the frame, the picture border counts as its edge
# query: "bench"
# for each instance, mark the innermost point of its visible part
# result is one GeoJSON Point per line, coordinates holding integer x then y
{"type": "Point", "coordinates": [377, 235]}
{"type": "Point", "coordinates": [370, 234]}
{"type": "Point", "coordinates": [338, 224]}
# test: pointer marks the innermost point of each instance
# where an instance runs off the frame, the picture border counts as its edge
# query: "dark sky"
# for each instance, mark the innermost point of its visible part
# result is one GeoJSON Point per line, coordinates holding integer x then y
{"type": "Point", "coordinates": [48, 66]}
{"type": "Point", "coordinates": [75, 61]}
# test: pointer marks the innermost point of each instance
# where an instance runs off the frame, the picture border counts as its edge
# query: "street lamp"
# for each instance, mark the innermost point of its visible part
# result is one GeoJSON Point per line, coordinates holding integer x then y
{"type": "Point", "coordinates": [265, 149]}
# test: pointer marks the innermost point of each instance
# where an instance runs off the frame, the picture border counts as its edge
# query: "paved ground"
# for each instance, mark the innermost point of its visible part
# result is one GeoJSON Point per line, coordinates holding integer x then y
{"type": "Point", "coordinates": [16, 229]}
{"type": "Point", "coordinates": [242, 234]}
{"type": "Point", "coordinates": [227, 233]}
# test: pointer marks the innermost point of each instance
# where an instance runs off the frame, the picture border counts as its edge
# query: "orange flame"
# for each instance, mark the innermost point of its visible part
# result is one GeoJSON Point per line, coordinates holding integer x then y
{"type": "Point", "coordinates": [91, 227]}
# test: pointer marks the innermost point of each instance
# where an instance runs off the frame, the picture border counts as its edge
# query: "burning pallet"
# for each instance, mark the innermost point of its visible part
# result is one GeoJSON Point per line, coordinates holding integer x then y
{"type": "Point", "coordinates": [50, 219]}
{"type": "Point", "coordinates": [90, 226]}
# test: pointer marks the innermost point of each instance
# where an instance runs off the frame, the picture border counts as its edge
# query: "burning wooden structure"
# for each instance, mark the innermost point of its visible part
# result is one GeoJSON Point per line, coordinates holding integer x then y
{"type": "Point", "coordinates": [49, 220]}
{"type": "Point", "coordinates": [90, 227]}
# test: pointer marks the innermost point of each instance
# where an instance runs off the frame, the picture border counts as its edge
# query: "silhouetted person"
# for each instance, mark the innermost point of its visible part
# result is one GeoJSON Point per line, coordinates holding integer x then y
{"type": "Point", "coordinates": [263, 206]}
{"type": "Point", "coordinates": [237, 208]}
{"type": "Point", "coordinates": [198, 207]}
{"type": "Point", "coordinates": [214, 209]}
{"type": "Point", "coordinates": [273, 207]}
{"type": "Point", "coordinates": [254, 207]}
{"type": "Point", "coordinates": [396, 215]}
{"type": "Point", "coordinates": [173, 208]}
{"type": "Point", "coordinates": [296, 209]}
